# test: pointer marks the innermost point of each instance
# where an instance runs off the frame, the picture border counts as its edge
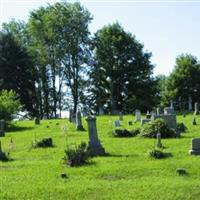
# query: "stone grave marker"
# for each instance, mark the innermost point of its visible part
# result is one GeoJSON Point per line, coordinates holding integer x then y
{"type": "Point", "coordinates": [168, 110]}
{"type": "Point", "coordinates": [117, 123]}
{"type": "Point", "coordinates": [159, 144]}
{"type": "Point", "coordinates": [95, 147]}
{"type": "Point", "coordinates": [195, 147]}
{"type": "Point", "coordinates": [196, 107]}
{"type": "Point", "coordinates": [2, 128]}
{"type": "Point", "coordinates": [120, 116]}
{"type": "Point", "coordinates": [137, 115]}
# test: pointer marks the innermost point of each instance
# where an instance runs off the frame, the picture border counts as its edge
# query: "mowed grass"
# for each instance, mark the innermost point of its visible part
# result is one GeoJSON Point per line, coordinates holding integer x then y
{"type": "Point", "coordinates": [128, 173]}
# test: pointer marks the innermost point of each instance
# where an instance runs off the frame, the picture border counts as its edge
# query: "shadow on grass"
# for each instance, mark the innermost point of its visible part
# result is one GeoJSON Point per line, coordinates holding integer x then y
{"type": "Point", "coordinates": [13, 128]}
{"type": "Point", "coordinates": [120, 155]}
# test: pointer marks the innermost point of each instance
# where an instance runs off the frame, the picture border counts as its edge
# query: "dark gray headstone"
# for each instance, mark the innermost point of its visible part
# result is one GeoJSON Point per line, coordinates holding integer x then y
{"type": "Point", "coordinates": [95, 146]}
{"type": "Point", "coordinates": [159, 144]}
{"type": "Point", "coordinates": [195, 147]}
{"type": "Point", "coordinates": [137, 115]}
{"type": "Point", "coordinates": [117, 123]}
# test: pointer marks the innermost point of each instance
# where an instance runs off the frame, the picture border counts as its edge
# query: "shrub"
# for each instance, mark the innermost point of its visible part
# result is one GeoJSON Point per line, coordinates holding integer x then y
{"type": "Point", "coordinates": [158, 154]}
{"type": "Point", "coordinates": [181, 128]}
{"type": "Point", "coordinates": [3, 157]}
{"type": "Point", "coordinates": [45, 142]}
{"type": "Point", "coordinates": [181, 171]}
{"type": "Point", "coordinates": [126, 133]}
{"type": "Point", "coordinates": [77, 156]}
{"type": "Point", "coordinates": [157, 126]}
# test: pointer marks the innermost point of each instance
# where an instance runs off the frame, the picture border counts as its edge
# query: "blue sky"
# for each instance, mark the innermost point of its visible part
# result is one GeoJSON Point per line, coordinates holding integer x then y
{"type": "Point", "coordinates": [166, 28]}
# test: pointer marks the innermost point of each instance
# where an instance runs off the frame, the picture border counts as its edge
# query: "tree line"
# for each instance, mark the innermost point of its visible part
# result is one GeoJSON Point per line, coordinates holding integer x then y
{"type": "Point", "coordinates": [54, 63]}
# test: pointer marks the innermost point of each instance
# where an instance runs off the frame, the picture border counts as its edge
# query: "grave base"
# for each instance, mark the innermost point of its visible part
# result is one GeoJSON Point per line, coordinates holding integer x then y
{"type": "Point", "coordinates": [96, 149]}
{"type": "Point", "coordinates": [194, 152]}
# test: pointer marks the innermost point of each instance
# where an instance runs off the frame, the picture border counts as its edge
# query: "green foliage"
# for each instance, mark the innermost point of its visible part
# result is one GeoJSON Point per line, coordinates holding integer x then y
{"type": "Point", "coordinates": [17, 71]}
{"type": "Point", "coordinates": [125, 132]}
{"type": "Point", "coordinates": [77, 156]}
{"type": "Point", "coordinates": [183, 82]}
{"type": "Point", "coordinates": [181, 127]}
{"type": "Point", "coordinates": [121, 76]}
{"type": "Point", "coordinates": [157, 126]}
{"type": "Point", "coordinates": [44, 143]}
{"type": "Point", "coordinates": [158, 154]}
{"type": "Point", "coordinates": [9, 104]}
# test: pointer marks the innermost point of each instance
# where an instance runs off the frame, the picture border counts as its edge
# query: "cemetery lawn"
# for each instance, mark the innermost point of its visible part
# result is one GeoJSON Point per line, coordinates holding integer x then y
{"type": "Point", "coordinates": [127, 173]}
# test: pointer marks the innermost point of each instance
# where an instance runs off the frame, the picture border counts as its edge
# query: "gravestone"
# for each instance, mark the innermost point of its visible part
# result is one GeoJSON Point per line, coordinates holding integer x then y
{"type": "Point", "coordinates": [159, 144]}
{"type": "Point", "coordinates": [120, 116]}
{"type": "Point", "coordinates": [171, 104]}
{"type": "Point", "coordinates": [190, 103]}
{"type": "Point", "coordinates": [196, 109]}
{"type": "Point", "coordinates": [144, 121]}
{"type": "Point", "coordinates": [37, 121]}
{"type": "Point", "coordinates": [117, 123]}
{"type": "Point", "coordinates": [153, 115]}
{"type": "Point", "coordinates": [170, 120]}
{"type": "Point", "coordinates": [95, 146]}
{"type": "Point", "coordinates": [2, 128]}
{"type": "Point", "coordinates": [168, 110]}
{"type": "Point", "coordinates": [158, 111]}
{"type": "Point", "coordinates": [137, 115]}
{"type": "Point", "coordinates": [79, 126]}
{"type": "Point", "coordinates": [101, 111]}
{"type": "Point", "coordinates": [148, 115]}
{"type": "Point", "coordinates": [195, 147]}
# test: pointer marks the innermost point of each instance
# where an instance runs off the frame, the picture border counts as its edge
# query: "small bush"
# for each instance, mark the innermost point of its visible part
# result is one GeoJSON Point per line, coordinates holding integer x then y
{"type": "Point", "coordinates": [3, 157]}
{"type": "Point", "coordinates": [125, 132]}
{"type": "Point", "coordinates": [77, 156]}
{"type": "Point", "coordinates": [157, 126]}
{"type": "Point", "coordinates": [181, 171]}
{"type": "Point", "coordinates": [45, 142]}
{"type": "Point", "coordinates": [181, 128]}
{"type": "Point", "coordinates": [158, 154]}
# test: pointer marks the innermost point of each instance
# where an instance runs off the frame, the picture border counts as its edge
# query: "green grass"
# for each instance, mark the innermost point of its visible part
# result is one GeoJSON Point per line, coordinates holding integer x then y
{"type": "Point", "coordinates": [128, 173]}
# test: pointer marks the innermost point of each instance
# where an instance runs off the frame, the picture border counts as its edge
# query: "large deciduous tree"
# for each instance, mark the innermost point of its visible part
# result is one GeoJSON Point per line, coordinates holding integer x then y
{"type": "Point", "coordinates": [122, 73]}
{"type": "Point", "coordinates": [183, 84]}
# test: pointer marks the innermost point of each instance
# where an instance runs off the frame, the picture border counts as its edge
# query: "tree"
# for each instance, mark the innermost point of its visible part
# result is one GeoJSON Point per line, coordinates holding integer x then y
{"type": "Point", "coordinates": [9, 104]}
{"type": "Point", "coordinates": [61, 35]}
{"type": "Point", "coordinates": [17, 71]}
{"type": "Point", "coordinates": [183, 83]}
{"type": "Point", "coordinates": [122, 72]}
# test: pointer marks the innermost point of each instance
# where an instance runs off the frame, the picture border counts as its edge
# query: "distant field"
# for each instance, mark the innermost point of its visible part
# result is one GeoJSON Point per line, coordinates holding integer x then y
{"type": "Point", "coordinates": [128, 173]}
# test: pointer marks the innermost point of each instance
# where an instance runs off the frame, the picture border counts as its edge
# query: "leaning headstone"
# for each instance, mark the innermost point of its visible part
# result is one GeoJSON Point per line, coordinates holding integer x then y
{"type": "Point", "coordinates": [196, 109]}
{"type": "Point", "coordinates": [117, 123]}
{"type": "Point", "coordinates": [137, 115]}
{"type": "Point", "coordinates": [79, 126]}
{"type": "Point", "coordinates": [159, 144]}
{"type": "Point", "coordinates": [95, 146]}
{"type": "Point", "coordinates": [120, 116]}
{"type": "Point", "coordinates": [195, 147]}
{"type": "Point", "coordinates": [37, 121]}
{"type": "Point", "coordinates": [2, 128]}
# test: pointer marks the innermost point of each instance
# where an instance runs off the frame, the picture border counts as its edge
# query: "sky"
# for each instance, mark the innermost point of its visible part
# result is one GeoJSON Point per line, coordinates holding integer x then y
{"type": "Point", "coordinates": [166, 28]}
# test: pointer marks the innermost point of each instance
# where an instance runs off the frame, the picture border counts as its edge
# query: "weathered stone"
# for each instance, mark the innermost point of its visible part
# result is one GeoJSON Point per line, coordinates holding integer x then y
{"type": "Point", "coordinates": [2, 128]}
{"type": "Point", "coordinates": [144, 121]}
{"type": "Point", "coordinates": [117, 123]}
{"type": "Point", "coordinates": [168, 111]}
{"type": "Point", "coordinates": [195, 147]}
{"type": "Point", "coordinates": [79, 126]}
{"type": "Point", "coordinates": [137, 115]}
{"type": "Point", "coordinates": [120, 116]}
{"type": "Point", "coordinates": [190, 103]}
{"type": "Point", "coordinates": [196, 107]}
{"type": "Point", "coordinates": [159, 144]}
{"type": "Point", "coordinates": [95, 146]}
